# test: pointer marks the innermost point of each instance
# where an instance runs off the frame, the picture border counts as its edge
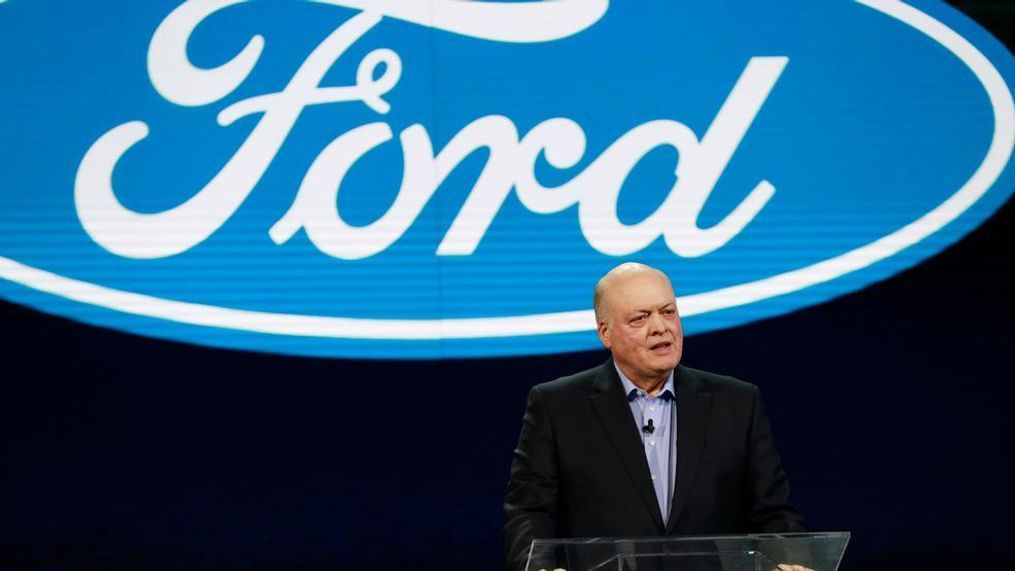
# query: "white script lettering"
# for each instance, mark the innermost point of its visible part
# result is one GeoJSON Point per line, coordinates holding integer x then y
{"type": "Point", "coordinates": [511, 164]}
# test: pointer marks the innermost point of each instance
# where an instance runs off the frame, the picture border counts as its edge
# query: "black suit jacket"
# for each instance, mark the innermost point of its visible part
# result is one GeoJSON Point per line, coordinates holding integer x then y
{"type": "Point", "coordinates": [580, 469]}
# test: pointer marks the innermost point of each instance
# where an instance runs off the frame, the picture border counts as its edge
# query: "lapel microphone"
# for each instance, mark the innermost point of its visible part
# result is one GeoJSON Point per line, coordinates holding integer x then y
{"type": "Point", "coordinates": [648, 428]}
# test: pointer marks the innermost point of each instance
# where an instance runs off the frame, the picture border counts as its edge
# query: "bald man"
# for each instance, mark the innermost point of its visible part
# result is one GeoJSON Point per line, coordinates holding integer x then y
{"type": "Point", "coordinates": [642, 446]}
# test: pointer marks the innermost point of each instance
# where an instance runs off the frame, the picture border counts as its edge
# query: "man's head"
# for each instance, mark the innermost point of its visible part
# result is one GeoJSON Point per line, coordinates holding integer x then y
{"type": "Point", "coordinates": [637, 320]}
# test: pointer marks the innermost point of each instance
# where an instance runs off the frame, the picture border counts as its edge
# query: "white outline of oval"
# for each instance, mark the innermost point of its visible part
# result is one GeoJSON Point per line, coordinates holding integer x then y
{"type": "Point", "coordinates": [985, 175]}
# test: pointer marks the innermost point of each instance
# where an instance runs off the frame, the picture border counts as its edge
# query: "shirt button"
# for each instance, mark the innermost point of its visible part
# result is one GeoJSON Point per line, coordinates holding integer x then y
{"type": "Point", "coordinates": [651, 442]}
{"type": "Point", "coordinates": [653, 476]}
{"type": "Point", "coordinates": [651, 408]}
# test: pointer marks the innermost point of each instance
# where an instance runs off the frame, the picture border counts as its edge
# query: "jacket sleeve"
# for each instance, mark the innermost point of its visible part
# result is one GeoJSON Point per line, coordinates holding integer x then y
{"type": "Point", "coordinates": [530, 505]}
{"type": "Point", "coordinates": [767, 485]}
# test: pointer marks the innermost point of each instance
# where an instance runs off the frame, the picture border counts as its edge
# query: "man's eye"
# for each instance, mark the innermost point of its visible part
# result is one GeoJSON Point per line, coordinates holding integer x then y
{"type": "Point", "coordinates": [669, 312]}
{"type": "Point", "coordinates": [638, 319]}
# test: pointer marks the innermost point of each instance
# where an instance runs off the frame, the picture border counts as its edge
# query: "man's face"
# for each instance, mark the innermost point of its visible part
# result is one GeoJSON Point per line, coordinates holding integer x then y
{"type": "Point", "coordinates": [640, 325]}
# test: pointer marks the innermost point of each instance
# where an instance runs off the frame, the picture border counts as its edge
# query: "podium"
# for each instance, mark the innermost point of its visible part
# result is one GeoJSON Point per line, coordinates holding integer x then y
{"type": "Point", "coordinates": [760, 552]}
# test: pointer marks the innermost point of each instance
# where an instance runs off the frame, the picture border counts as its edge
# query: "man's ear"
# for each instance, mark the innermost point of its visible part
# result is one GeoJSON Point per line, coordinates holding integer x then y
{"type": "Point", "coordinates": [604, 333]}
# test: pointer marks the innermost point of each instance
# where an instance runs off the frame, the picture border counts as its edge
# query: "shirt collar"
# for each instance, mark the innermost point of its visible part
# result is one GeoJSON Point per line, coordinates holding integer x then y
{"type": "Point", "coordinates": [632, 391]}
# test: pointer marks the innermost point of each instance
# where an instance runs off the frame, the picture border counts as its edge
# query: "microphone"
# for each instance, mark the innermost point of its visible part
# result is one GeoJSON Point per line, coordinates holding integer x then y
{"type": "Point", "coordinates": [648, 428]}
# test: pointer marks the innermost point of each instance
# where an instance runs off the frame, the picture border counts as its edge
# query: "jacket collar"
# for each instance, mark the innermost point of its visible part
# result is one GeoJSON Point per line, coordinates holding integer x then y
{"type": "Point", "coordinates": [610, 403]}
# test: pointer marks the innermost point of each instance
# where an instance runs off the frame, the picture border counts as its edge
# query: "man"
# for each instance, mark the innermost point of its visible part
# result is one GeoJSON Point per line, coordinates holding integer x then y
{"type": "Point", "coordinates": [643, 446]}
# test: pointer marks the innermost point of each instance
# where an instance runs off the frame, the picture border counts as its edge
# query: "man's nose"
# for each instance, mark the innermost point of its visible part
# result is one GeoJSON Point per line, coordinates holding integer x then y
{"type": "Point", "coordinates": [656, 323]}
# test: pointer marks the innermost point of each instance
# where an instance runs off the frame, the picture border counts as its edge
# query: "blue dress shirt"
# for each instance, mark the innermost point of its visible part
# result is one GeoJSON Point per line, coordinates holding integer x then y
{"type": "Point", "coordinates": [661, 443]}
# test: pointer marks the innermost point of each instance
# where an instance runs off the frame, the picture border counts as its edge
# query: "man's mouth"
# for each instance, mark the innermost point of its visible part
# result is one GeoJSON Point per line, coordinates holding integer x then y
{"type": "Point", "coordinates": [661, 346]}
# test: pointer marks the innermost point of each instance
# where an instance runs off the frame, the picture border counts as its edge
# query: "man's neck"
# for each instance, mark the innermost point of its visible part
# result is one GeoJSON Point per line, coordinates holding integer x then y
{"type": "Point", "coordinates": [652, 385]}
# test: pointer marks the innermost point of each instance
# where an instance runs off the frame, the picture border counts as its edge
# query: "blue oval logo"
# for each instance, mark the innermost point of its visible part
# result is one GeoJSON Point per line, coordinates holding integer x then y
{"type": "Point", "coordinates": [370, 178]}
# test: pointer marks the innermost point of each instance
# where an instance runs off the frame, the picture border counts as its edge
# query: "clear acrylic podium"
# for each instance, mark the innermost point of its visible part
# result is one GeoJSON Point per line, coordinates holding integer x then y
{"type": "Point", "coordinates": [762, 552]}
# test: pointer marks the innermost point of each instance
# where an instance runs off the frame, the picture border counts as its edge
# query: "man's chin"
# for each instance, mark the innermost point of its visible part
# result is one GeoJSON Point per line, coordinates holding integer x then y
{"type": "Point", "coordinates": [664, 364]}
{"type": "Point", "coordinates": [668, 360]}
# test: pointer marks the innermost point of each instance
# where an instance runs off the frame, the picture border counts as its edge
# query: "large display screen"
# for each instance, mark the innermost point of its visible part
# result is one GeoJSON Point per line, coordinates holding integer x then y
{"type": "Point", "coordinates": [445, 178]}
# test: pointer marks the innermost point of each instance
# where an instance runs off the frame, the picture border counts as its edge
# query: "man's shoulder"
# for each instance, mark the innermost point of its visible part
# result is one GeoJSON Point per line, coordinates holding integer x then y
{"type": "Point", "coordinates": [712, 383]}
{"type": "Point", "coordinates": [571, 384]}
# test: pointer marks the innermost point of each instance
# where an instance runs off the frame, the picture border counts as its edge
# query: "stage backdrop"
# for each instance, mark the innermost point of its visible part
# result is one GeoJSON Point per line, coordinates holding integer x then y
{"type": "Point", "coordinates": [277, 276]}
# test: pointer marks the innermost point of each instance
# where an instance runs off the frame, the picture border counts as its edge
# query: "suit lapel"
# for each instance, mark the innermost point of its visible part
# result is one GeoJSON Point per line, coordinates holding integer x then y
{"type": "Point", "coordinates": [693, 409]}
{"type": "Point", "coordinates": [610, 403]}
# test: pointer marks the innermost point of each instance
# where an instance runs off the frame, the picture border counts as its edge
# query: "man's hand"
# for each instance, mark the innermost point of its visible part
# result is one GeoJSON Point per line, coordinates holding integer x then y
{"type": "Point", "coordinates": [788, 567]}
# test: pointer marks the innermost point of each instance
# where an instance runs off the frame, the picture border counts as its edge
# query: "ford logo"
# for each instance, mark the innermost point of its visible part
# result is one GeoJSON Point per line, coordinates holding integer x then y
{"type": "Point", "coordinates": [389, 179]}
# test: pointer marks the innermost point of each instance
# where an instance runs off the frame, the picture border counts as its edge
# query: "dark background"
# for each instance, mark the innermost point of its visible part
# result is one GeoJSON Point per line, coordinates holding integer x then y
{"type": "Point", "coordinates": [892, 408]}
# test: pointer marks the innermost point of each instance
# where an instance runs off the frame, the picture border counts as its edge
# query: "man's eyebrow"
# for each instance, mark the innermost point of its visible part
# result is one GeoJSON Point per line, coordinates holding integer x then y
{"type": "Point", "coordinates": [647, 311]}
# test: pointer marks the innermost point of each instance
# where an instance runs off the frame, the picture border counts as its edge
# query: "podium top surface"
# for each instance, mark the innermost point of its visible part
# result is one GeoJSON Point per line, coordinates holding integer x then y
{"type": "Point", "coordinates": [754, 552]}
